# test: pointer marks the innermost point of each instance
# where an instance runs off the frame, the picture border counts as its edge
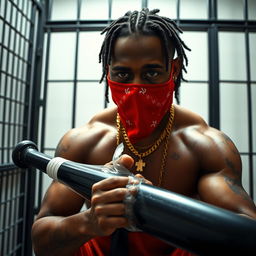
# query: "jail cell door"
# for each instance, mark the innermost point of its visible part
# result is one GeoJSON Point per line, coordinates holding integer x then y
{"type": "Point", "coordinates": [21, 34]}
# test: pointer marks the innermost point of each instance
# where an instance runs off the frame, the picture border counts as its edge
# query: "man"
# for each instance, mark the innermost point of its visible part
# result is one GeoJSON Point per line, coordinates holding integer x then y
{"type": "Point", "coordinates": [170, 146]}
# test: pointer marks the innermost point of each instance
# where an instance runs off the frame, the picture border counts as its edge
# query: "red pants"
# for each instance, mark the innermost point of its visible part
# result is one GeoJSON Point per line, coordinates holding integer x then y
{"type": "Point", "coordinates": [140, 244]}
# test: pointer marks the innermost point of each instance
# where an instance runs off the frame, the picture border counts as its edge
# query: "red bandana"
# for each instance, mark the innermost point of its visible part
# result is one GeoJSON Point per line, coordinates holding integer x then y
{"type": "Point", "coordinates": [141, 106]}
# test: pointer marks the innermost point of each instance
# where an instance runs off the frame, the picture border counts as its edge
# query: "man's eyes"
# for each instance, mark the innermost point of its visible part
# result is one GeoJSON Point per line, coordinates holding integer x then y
{"type": "Point", "coordinates": [152, 74]}
{"type": "Point", "coordinates": [122, 75]}
{"type": "Point", "coordinates": [146, 75]}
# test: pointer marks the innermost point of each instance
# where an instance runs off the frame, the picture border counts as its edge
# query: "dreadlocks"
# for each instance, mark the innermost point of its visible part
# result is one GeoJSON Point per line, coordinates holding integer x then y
{"type": "Point", "coordinates": [147, 23]}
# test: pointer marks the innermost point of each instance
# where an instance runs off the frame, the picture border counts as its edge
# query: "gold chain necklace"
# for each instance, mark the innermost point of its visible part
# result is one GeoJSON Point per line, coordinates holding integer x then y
{"type": "Point", "coordinates": [140, 164]}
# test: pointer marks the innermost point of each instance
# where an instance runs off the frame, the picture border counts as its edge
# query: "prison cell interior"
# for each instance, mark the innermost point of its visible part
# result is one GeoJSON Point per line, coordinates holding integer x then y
{"type": "Point", "coordinates": [49, 83]}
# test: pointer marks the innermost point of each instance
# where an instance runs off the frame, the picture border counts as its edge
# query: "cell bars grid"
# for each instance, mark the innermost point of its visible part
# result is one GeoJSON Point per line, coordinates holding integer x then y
{"type": "Point", "coordinates": [15, 43]}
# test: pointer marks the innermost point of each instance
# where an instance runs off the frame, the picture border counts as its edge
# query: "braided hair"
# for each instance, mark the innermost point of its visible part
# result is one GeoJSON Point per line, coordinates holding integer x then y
{"type": "Point", "coordinates": [145, 22]}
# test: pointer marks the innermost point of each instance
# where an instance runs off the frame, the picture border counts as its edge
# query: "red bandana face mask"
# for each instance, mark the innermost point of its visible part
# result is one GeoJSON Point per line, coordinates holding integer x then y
{"type": "Point", "coordinates": [141, 106]}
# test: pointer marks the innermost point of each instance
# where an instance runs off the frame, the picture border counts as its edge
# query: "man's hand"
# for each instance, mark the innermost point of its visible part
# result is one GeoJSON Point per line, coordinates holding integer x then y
{"type": "Point", "coordinates": [107, 212]}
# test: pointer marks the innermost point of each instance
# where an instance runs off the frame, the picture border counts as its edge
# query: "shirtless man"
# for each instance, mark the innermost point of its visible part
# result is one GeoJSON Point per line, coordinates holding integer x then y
{"type": "Point", "coordinates": [195, 159]}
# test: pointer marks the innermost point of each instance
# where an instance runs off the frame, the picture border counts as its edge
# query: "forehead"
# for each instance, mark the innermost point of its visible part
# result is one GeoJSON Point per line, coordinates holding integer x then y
{"type": "Point", "coordinates": [138, 47]}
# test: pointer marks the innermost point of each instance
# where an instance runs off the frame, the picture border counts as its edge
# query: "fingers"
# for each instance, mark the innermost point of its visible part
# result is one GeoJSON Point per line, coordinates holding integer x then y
{"type": "Point", "coordinates": [112, 196]}
{"type": "Point", "coordinates": [110, 183]}
{"type": "Point", "coordinates": [123, 164]}
{"type": "Point", "coordinates": [105, 219]}
{"type": "Point", "coordinates": [117, 209]}
{"type": "Point", "coordinates": [110, 216]}
{"type": "Point", "coordinates": [144, 180]}
{"type": "Point", "coordinates": [107, 212]}
{"type": "Point", "coordinates": [107, 208]}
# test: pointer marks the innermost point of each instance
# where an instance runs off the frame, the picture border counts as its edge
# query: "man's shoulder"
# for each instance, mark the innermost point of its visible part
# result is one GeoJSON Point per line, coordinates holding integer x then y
{"type": "Point", "coordinates": [194, 130]}
{"type": "Point", "coordinates": [78, 142]}
{"type": "Point", "coordinates": [197, 135]}
{"type": "Point", "coordinates": [186, 119]}
{"type": "Point", "coordinates": [104, 117]}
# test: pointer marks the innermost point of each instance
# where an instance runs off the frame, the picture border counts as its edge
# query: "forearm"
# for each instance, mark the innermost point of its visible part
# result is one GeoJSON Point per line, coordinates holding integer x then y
{"type": "Point", "coordinates": [60, 235]}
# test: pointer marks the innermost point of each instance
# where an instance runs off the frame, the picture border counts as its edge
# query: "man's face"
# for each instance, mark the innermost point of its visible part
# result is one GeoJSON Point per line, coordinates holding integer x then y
{"type": "Point", "coordinates": [138, 59]}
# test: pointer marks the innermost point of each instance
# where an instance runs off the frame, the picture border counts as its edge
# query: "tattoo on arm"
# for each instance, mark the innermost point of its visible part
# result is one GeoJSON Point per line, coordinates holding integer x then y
{"type": "Point", "coordinates": [64, 147]}
{"type": "Point", "coordinates": [230, 144]}
{"type": "Point", "coordinates": [61, 149]}
{"type": "Point", "coordinates": [234, 183]}
{"type": "Point", "coordinates": [232, 167]}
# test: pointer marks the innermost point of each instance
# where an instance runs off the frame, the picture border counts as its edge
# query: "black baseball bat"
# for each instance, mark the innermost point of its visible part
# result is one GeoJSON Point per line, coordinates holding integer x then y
{"type": "Point", "coordinates": [187, 223]}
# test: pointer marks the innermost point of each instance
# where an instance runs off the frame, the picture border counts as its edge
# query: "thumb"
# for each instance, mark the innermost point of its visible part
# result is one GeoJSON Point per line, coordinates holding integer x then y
{"type": "Point", "coordinates": [126, 160]}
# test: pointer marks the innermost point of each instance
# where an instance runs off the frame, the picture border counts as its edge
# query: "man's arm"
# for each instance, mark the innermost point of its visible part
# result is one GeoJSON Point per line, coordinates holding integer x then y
{"type": "Point", "coordinates": [220, 183]}
{"type": "Point", "coordinates": [60, 229]}
{"type": "Point", "coordinates": [57, 234]}
{"type": "Point", "coordinates": [53, 226]}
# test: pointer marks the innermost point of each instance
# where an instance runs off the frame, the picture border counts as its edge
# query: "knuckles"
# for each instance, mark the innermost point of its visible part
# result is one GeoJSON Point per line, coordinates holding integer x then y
{"type": "Point", "coordinates": [107, 208]}
{"type": "Point", "coordinates": [96, 198]}
{"type": "Point", "coordinates": [98, 210]}
{"type": "Point", "coordinates": [110, 183]}
{"type": "Point", "coordinates": [120, 193]}
{"type": "Point", "coordinates": [115, 195]}
{"type": "Point", "coordinates": [118, 181]}
{"type": "Point", "coordinates": [111, 210]}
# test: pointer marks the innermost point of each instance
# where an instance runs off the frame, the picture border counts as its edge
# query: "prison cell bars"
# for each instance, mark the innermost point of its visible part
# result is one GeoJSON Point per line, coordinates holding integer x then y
{"type": "Point", "coordinates": [18, 63]}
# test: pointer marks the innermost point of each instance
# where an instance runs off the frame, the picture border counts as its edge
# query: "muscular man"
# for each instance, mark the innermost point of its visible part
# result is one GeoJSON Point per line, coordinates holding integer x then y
{"type": "Point", "coordinates": [170, 146]}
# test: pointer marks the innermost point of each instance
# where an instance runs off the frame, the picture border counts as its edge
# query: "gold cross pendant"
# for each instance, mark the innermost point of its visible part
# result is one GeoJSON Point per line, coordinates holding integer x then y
{"type": "Point", "coordinates": [140, 164]}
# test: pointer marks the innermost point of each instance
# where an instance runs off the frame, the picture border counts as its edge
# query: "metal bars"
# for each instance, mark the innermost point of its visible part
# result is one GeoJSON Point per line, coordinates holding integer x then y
{"type": "Point", "coordinates": [12, 63]}
{"type": "Point", "coordinates": [214, 91]}
{"type": "Point", "coordinates": [249, 104]}
{"type": "Point", "coordinates": [18, 23]}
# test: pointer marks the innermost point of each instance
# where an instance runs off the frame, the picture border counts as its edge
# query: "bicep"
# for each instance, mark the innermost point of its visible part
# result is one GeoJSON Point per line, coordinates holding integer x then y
{"type": "Point", "coordinates": [221, 183]}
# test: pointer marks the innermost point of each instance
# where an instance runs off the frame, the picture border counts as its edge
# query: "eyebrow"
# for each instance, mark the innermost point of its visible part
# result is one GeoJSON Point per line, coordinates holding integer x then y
{"type": "Point", "coordinates": [117, 68]}
{"type": "Point", "coordinates": [153, 66]}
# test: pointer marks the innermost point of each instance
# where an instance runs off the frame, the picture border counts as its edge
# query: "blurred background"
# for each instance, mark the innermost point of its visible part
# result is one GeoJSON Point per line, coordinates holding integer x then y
{"type": "Point", "coordinates": [50, 83]}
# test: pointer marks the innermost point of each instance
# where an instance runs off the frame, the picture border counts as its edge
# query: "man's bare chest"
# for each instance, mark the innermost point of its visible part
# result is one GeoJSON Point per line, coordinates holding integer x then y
{"type": "Point", "coordinates": [177, 171]}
